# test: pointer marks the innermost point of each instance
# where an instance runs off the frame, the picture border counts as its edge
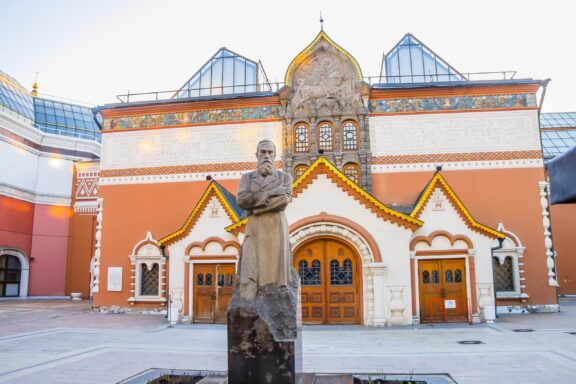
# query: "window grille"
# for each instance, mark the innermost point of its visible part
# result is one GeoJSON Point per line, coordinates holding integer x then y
{"type": "Point", "coordinates": [149, 279]}
{"type": "Point", "coordinates": [349, 134]}
{"type": "Point", "coordinates": [310, 275]}
{"type": "Point", "coordinates": [299, 171]}
{"type": "Point", "coordinates": [352, 171]}
{"type": "Point", "coordinates": [341, 275]}
{"type": "Point", "coordinates": [503, 274]}
{"type": "Point", "coordinates": [302, 138]}
{"type": "Point", "coordinates": [325, 135]}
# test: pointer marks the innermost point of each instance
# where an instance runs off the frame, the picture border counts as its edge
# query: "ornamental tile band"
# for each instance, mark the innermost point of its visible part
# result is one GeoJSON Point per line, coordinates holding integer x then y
{"type": "Point", "coordinates": [452, 103]}
{"type": "Point", "coordinates": [172, 119]}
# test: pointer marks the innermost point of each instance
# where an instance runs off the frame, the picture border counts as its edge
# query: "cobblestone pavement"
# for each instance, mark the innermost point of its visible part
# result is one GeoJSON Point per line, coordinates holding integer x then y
{"type": "Point", "coordinates": [64, 342]}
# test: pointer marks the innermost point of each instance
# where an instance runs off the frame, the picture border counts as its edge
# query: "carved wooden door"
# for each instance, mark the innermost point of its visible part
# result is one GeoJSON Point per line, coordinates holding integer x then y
{"type": "Point", "coordinates": [204, 293]}
{"type": "Point", "coordinates": [442, 290]}
{"type": "Point", "coordinates": [330, 277]}
{"type": "Point", "coordinates": [213, 287]}
{"type": "Point", "coordinates": [309, 262]}
{"type": "Point", "coordinates": [224, 288]}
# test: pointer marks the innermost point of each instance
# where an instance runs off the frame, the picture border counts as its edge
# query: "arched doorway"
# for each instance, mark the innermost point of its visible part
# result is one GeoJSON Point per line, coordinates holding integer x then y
{"type": "Point", "coordinates": [10, 275]}
{"type": "Point", "coordinates": [330, 273]}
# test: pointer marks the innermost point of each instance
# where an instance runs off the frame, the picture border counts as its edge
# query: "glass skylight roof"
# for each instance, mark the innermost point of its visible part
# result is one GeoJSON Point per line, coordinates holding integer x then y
{"type": "Point", "coordinates": [66, 119]}
{"type": "Point", "coordinates": [557, 141]}
{"type": "Point", "coordinates": [225, 73]}
{"type": "Point", "coordinates": [15, 97]}
{"type": "Point", "coordinates": [410, 61]}
{"type": "Point", "coordinates": [558, 120]}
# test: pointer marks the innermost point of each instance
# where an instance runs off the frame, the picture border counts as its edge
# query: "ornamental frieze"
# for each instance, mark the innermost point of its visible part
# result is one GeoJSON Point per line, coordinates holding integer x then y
{"type": "Point", "coordinates": [453, 103]}
{"type": "Point", "coordinates": [173, 119]}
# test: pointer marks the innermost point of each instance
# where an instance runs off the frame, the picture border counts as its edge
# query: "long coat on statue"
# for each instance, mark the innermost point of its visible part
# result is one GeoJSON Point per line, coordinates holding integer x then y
{"type": "Point", "coordinates": [266, 255]}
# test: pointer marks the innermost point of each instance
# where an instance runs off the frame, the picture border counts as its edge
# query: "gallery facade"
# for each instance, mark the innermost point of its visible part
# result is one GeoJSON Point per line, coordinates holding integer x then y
{"type": "Point", "coordinates": [41, 139]}
{"type": "Point", "coordinates": [418, 196]}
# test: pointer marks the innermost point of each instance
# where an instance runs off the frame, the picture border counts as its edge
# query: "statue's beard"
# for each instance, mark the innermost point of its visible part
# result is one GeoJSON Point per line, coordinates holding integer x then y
{"type": "Point", "coordinates": [265, 168]}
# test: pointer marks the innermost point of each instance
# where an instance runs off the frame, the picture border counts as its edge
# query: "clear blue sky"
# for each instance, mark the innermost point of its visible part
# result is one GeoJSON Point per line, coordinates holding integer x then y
{"type": "Point", "coordinates": [92, 50]}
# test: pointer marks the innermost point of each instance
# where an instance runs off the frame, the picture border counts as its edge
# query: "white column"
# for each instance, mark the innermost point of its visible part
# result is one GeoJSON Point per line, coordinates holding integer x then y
{"type": "Point", "coordinates": [550, 264]}
{"type": "Point", "coordinates": [378, 270]}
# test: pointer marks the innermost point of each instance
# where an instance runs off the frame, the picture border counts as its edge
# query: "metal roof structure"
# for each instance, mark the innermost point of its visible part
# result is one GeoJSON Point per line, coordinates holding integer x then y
{"type": "Point", "coordinates": [15, 97]}
{"type": "Point", "coordinates": [49, 115]}
{"type": "Point", "coordinates": [558, 132]}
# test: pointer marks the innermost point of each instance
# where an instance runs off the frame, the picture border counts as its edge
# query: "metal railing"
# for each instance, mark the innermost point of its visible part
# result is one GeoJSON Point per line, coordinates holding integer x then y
{"type": "Point", "coordinates": [247, 89]}
{"type": "Point", "coordinates": [223, 90]}
{"type": "Point", "coordinates": [437, 78]}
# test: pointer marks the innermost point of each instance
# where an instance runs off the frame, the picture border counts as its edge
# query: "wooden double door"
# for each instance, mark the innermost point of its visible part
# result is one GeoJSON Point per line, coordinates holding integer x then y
{"type": "Point", "coordinates": [213, 287]}
{"type": "Point", "coordinates": [330, 277]}
{"type": "Point", "coordinates": [443, 290]}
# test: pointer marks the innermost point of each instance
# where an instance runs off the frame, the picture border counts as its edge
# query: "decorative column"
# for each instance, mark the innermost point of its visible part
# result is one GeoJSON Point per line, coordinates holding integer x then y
{"type": "Point", "coordinates": [397, 305]}
{"type": "Point", "coordinates": [550, 255]}
{"type": "Point", "coordinates": [378, 270]}
{"type": "Point", "coordinates": [95, 286]}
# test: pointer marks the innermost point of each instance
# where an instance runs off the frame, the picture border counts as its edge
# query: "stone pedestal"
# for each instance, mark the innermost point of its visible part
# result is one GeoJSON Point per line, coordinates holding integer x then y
{"type": "Point", "coordinates": [263, 337]}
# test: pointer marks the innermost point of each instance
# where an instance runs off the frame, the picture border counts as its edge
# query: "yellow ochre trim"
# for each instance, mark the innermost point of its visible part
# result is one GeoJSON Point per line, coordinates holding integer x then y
{"type": "Point", "coordinates": [438, 179]}
{"type": "Point", "coordinates": [323, 161]}
{"type": "Point", "coordinates": [304, 53]}
{"type": "Point", "coordinates": [212, 189]}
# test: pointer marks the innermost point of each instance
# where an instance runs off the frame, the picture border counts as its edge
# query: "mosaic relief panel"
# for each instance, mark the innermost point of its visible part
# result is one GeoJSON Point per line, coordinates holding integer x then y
{"type": "Point", "coordinates": [193, 117]}
{"type": "Point", "coordinates": [454, 103]}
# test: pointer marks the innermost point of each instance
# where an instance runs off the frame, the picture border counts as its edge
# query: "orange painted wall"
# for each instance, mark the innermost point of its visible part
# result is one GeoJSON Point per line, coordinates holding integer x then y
{"type": "Point", "coordinates": [41, 232]}
{"type": "Point", "coordinates": [80, 252]}
{"type": "Point", "coordinates": [510, 196]}
{"type": "Point", "coordinates": [16, 221]}
{"type": "Point", "coordinates": [563, 230]}
{"type": "Point", "coordinates": [49, 249]}
{"type": "Point", "coordinates": [129, 212]}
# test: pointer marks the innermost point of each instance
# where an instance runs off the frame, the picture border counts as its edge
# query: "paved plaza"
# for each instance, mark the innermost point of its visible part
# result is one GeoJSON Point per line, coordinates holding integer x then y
{"type": "Point", "coordinates": [66, 342]}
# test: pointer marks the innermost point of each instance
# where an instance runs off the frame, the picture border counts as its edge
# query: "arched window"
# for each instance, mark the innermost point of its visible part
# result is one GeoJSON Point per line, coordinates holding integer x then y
{"type": "Point", "coordinates": [10, 271]}
{"type": "Point", "coordinates": [325, 137]}
{"type": "Point", "coordinates": [302, 138]}
{"type": "Point", "coordinates": [299, 170]}
{"type": "Point", "coordinates": [149, 279]}
{"type": "Point", "coordinates": [352, 171]}
{"type": "Point", "coordinates": [349, 136]}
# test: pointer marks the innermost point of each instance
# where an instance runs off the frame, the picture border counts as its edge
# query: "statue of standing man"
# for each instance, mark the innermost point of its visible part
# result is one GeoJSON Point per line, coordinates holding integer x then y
{"type": "Point", "coordinates": [264, 194]}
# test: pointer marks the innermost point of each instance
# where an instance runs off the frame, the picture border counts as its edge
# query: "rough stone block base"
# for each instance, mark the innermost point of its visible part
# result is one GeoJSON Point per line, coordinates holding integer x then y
{"type": "Point", "coordinates": [263, 342]}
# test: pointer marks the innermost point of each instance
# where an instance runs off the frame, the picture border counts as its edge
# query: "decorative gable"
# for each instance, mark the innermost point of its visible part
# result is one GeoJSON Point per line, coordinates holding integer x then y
{"type": "Point", "coordinates": [323, 167]}
{"type": "Point", "coordinates": [215, 202]}
{"type": "Point", "coordinates": [323, 80]}
{"type": "Point", "coordinates": [438, 194]}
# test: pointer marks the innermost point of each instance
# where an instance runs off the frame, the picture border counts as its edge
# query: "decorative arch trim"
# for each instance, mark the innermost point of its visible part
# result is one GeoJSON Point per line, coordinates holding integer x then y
{"type": "Point", "coordinates": [319, 229]}
{"type": "Point", "coordinates": [428, 239]}
{"type": "Point", "coordinates": [213, 239]}
{"type": "Point", "coordinates": [149, 240]}
{"type": "Point", "coordinates": [323, 217]}
{"type": "Point", "coordinates": [306, 52]}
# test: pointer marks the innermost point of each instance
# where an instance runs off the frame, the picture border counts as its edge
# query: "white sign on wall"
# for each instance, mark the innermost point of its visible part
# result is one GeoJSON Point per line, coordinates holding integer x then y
{"type": "Point", "coordinates": [450, 304]}
{"type": "Point", "coordinates": [115, 279]}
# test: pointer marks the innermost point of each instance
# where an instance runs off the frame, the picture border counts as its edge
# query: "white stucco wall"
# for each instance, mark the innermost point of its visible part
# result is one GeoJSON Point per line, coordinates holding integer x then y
{"type": "Point", "coordinates": [392, 240]}
{"type": "Point", "coordinates": [448, 219]}
{"type": "Point", "coordinates": [207, 144]}
{"type": "Point", "coordinates": [446, 133]}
